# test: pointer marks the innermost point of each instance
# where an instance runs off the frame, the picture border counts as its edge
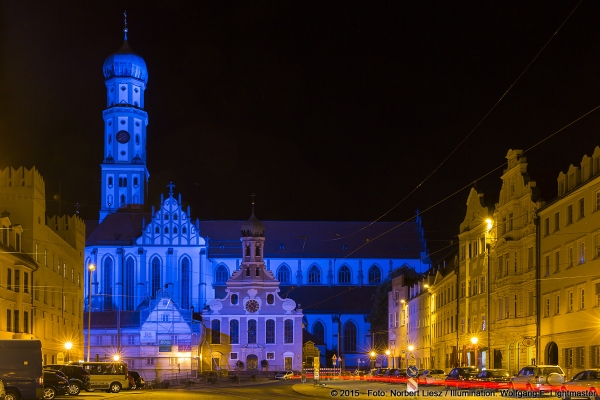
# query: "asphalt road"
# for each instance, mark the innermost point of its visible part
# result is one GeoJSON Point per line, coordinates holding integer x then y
{"type": "Point", "coordinates": [271, 390]}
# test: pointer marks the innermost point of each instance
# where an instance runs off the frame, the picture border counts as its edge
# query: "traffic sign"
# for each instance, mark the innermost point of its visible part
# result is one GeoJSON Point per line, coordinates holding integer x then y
{"type": "Point", "coordinates": [412, 371]}
{"type": "Point", "coordinates": [412, 361]}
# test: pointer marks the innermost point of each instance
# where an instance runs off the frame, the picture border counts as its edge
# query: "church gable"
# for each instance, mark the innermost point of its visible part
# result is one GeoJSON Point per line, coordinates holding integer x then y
{"type": "Point", "coordinates": [171, 225]}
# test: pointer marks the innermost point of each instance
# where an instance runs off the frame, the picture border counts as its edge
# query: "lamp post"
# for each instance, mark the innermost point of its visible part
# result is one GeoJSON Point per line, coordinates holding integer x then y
{"type": "Point", "coordinates": [411, 348]}
{"type": "Point", "coordinates": [372, 354]}
{"type": "Point", "coordinates": [91, 268]}
{"type": "Point", "coordinates": [68, 347]}
{"type": "Point", "coordinates": [387, 353]}
{"type": "Point", "coordinates": [474, 341]}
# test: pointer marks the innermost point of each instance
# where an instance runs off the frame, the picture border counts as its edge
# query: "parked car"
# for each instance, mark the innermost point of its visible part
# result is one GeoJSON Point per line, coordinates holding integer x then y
{"type": "Point", "coordinates": [460, 378]}
{"type": "Point", "coordinates": [584, 383]}
{"type": "Point", "coordinates": [21, 368]}
{"type": "Point", "coordinates": [55, 384]}
{"type": "Point", "coordinates": [399, 376]}
{"type": "Point", "coordinates": [284, 375]}
{"type": "Point", "coordinates": [79, 378]}
{"type": "Point", "coordinates": [432, 377]}
{"type": "Point", "coordinates": [538, 377]}
{"type": "Point", "coordinates": [493, 379]}
{"type": "Point", "coordinates": [2, 391]}
{"type": "Point", "coordinates": [138, 381]}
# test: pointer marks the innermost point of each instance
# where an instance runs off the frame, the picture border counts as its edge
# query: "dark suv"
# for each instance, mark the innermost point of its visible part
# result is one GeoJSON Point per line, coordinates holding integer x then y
{"type": "Point", "coordinates": [460, 377]}
{"type": "Point", "coordinates": [78, 377]}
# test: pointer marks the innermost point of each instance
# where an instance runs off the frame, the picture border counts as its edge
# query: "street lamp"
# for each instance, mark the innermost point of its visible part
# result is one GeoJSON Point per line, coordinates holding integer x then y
{"type": "Point", "coordinates": [68, 347]}
{"type": "Point", "coordinates": [387, 353]}
{"type": "Point", "coordinates": [372, 354]}
{"type": "Point", "coordinates": [91, 268]}
{"type": "Point", "coordinates": [411, 348]}
{"type": "Point", "coordinates": [116, 357]}
{"type": "Point", "coordinates": [474, 341]}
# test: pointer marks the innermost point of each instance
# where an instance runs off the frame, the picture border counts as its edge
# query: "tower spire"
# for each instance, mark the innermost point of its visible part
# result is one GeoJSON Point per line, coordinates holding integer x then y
{"type": "Point", "coordinates": [125, 30]}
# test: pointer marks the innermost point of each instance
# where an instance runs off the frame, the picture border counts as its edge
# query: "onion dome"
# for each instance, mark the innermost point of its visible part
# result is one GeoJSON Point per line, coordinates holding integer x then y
{"type": "Point", "coordinates": [125, 64]}
{"type": "Point", "coordinates": [253, 227]}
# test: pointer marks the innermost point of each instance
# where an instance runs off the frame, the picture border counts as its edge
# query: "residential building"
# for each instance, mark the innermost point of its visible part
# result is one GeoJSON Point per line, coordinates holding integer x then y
{"type": "Point", "coordinates": [569, 249]}
{"type": "Point", "coordinates": [41, 268]}
{"type": "Point", "coordinates": [473, 278]}
{"type": "Point", "coordinates": [513, 268]}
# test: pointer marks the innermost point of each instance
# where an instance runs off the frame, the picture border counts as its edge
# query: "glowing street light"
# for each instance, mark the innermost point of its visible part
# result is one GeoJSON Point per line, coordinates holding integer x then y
{"type": "Point", "coordinates": [411, 347]}
{"type": "Point", "coordinates": [68, 347]}
{"type": "Point", "coordinates": [372, 354]}
{"type": "Point", "coordinates": [91, 268]}
{"type": "Point", "coordinates": [474, 341]}
{"type": "Point", "coordinates": [116, 357]}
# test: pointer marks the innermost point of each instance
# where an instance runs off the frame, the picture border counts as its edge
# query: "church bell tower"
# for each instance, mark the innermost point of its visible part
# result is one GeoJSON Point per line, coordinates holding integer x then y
{"type": "Point", "coordinates": [124, 172]}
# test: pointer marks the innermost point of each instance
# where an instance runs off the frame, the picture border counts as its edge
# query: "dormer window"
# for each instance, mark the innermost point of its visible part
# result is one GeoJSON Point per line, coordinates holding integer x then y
{"type": "Point", "coordinates": [257, 251]}
{"type": "Point", "coordinates": [234, 299]}
{"type": "Point", "coordinates": [247, 251]}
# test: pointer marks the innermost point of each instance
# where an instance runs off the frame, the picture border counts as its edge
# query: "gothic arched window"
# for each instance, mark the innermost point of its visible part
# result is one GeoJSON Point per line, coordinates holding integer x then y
{"type": "Point", "coordinates": [234, 331]}
{"type": "Point", "coordinates": [319, 332]}
{"type": "Point", "coordinates": [374, 274]}
{"type": "Point", "coordinates": [349, 337]}
{"type": "Point", "coordinates": [270, 331]}
{"type": "Point", "coordinates": [107, 282]}
{"type": "Point", "coordinates": [129, 283]}
{"type": "Point", "coordinates": [284, 275]}
{"type": "Point", "coordinates": [221, 274]}
{"type": "Point", "coordinates": [185, 283]}
{"type": "Point", "coordinates": [344, 274]}
{"type": "Point", "coordinates": [215, 334]}
{"type": "Point", "coordinates": [155, 284]}
{"type": "Point", "coordinates": [314, 274]}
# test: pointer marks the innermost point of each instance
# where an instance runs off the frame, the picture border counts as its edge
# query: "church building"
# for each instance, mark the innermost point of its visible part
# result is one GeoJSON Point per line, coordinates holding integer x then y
{"type": "Point", "coordinates": [314, 275]}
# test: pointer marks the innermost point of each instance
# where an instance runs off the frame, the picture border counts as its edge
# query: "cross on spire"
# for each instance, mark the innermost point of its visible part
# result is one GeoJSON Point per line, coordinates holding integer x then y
{"type": "Point", "coordinates": [171, 186]}
{"type": "Point", "coordinates": [125, 30]}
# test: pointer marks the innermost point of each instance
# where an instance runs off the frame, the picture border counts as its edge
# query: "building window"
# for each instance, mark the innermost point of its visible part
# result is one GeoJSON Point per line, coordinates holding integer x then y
{"type": "Point", "coordinates": [215, 334]}
{"type": "Point", "coordinates": [349, 337]}
{"type": "Point", "coordinates": [288, 334]}
{"type": "Point", "coordinates": [185, 283]}
{"type": "Point", "coordinates": [234, 331]}
{"type": "Point", "coordinates": [234, 356]}
{"type": "Point", "coordinates": [9, 320]}
{"type": "Point", "coordinates": [581, 208]}
{"type": "Point", "coordinates": [270, 299]}
{"type": "Point", "coordinates": [482, 283]}
{"type": "Point", "coordinates": [344, 274]}
{"type": "Point", "coordinates": [155, 276]}
{"type": "Point", "coordinates": [314, 274]}
{"type": "Point", "coordinates": [374, 274]}
{"type": "Point", "coordinates": [284, 275]}
{"type": "Point", "coordinates": [252, 331]}
{"type": "Point", "coordinates": [595, 356]}
{"type": "Point", "coordinates": [597, 286]}
{"type": "Point", "coordinates": [129, 283]}
{"type": "Point", "coordinates": [556, 262]}
{"type": "Point", "coordinates": [25, 282]}
{"type": "Point", "coordinates": [569, 358]}
{"type": "Point", "coordinates": [149, 361]}
{"type": "Point", "coordinates": [569, 214]}
{"type": "Point", "coordinates": [557, 305]}
{"type": "Point", "coordinates": [547, 307]}
{"type": "Point", "coordinates": [221, 274]}
{"type": "Point", "coordinates": [546, 226]}
{"type": "Point", "coordinates": [463, 289]}
{"type": "Point", "coordinates": [530, 258]}
{"type": "Point", "coordinates": [16, 322]}
{"type": "Point", "coordinates": [570, 301]}
{"type": "Point", "coordinates": [270, 355]}
{"type": "Point", "coordinates": [597, 201]}
{"type": "Point", "coordinates": [547, 265]}
{"type": "Point", "coordinates": [582, 298]}
{"type": "Point", "coordinates": [107, 283]}
{"type": "Point", "coordinates": [570, 257]}
{"type": "Point", "coordinates": [581, 247]}
{"type": "Point", "coordinates": [270, 331]}
{"type": "Point", "coordinates": [234, 299]}
{"type": "Point", "coordinates": [319, 331]}
{"type": "Point", "coordinates": [597, 246]}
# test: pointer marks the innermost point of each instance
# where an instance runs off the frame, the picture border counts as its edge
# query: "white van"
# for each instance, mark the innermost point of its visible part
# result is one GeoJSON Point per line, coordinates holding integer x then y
{"type": "Point", "coordinates": [109, 376]}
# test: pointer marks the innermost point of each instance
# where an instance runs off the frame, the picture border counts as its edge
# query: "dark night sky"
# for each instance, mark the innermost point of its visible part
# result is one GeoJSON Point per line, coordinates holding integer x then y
{"type": "Point", "coordinates": [327, 110]}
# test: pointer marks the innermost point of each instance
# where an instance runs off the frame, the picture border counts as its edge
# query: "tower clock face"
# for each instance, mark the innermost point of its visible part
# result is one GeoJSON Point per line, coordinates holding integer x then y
{"type": "Point", "coordinates": [252, 306]}
{"type": "Point", "coordinates": [123, 137]}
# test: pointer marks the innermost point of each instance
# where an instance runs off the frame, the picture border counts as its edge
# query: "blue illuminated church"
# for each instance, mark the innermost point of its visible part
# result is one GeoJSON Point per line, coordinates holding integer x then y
{"type": "Point", "coordinates": [157, 266]}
